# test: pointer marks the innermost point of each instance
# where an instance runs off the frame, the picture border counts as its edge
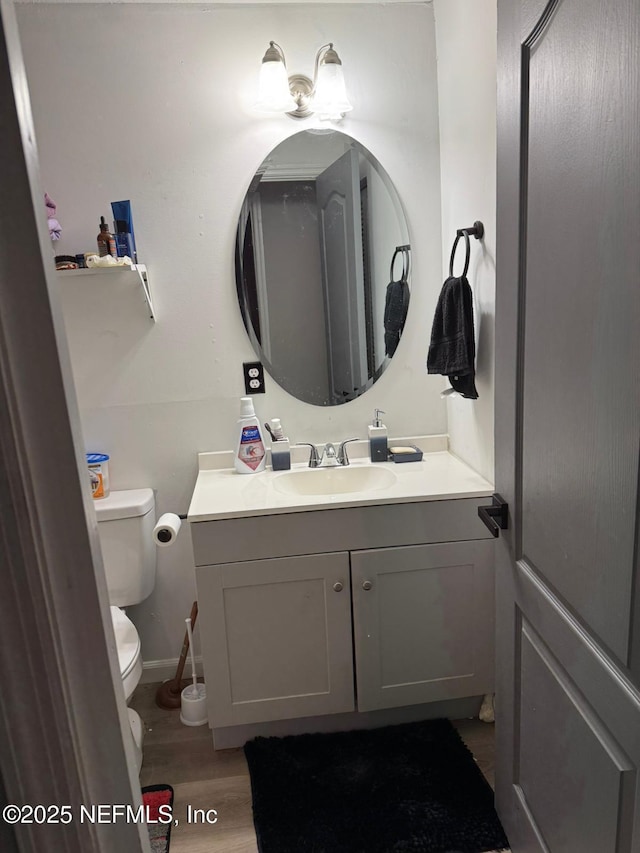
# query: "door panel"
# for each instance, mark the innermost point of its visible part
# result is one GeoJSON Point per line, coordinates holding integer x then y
{"type": "Point", "coordinates": [568, 424]}
{"type": "Point", "coordinates": [424, 629]}
{"type": "Point", "coordinates": [554, 719]}
{"type": "Point", "coordinates": [265, 604]}
{"type": "Point", "coordinates": [581, 319]}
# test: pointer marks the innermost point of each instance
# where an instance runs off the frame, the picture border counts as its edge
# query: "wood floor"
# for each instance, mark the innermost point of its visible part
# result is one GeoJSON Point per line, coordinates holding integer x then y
{"type": "Point", "coordinates": [184, 758]}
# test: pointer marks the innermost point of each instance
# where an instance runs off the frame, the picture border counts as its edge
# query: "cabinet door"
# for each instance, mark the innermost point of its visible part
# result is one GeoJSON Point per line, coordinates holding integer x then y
{"type": "Point", "coordinates": [276, 638]}
{"type": "Point", "coordinates": [423, 623]}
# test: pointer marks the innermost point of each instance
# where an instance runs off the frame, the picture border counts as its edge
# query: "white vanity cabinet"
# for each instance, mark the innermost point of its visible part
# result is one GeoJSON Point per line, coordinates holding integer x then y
{"type": "Point", "coordinates": [297, 609]}
{"type": "Point", "coordinates": [422, 623]}
{"type": "Point", "coordinates": [277, 638]}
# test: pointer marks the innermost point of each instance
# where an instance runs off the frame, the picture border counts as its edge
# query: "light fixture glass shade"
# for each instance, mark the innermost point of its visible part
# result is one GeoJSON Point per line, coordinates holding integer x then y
{"type": "Point", "coordinates": [273, 88]}
{"type": "Point", "coordinates": [330, 100]}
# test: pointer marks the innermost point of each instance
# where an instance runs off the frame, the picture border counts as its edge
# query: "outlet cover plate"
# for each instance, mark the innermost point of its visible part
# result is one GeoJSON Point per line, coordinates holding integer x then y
{"type": "Point", "coordinates": [253, 377]}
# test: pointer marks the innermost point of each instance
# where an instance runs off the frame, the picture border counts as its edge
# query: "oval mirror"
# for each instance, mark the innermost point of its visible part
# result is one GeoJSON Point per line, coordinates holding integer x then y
{"type": "Point", "coordinates": [322, 267]}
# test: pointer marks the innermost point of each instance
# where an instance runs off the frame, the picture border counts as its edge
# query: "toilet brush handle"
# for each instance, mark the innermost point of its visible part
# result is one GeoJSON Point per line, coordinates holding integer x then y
{"type": "Point", "coordinates": [185, 645]}
{"type": "Point", "coordinates": [193, 654]}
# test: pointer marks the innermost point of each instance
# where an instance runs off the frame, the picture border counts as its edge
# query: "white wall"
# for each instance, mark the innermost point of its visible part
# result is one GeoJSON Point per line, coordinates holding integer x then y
{"type": "Point", "coordinates": [152, 103]}
{"type": "Point", "coordinates": [466, 45]}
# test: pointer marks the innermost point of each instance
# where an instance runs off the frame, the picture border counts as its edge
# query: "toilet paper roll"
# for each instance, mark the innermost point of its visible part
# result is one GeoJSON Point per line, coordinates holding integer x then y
{"type": "Point", "coordinates": [166, 530]}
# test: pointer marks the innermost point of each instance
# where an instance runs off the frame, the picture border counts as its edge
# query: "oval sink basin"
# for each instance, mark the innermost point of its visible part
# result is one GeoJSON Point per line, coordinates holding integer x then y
{"type": "Point", "coordinates": [334, 481]}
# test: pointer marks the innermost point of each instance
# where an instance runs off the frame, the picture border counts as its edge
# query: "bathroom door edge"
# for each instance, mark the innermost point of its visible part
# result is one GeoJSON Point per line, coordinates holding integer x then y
{"type": "Point", "coordinates": [62, 712]}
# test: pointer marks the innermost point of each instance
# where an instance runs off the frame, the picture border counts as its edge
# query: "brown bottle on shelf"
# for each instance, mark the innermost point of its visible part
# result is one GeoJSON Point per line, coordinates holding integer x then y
{"type": "Point", "coordinates": [106, 240]}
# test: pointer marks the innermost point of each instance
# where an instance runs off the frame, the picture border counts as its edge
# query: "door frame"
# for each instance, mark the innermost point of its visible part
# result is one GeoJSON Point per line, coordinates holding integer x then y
{"type": "Point", "coordinates": [64, 728]}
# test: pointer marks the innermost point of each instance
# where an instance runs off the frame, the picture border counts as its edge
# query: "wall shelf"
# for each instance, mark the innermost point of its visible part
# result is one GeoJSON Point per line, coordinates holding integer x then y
{"type": "Point", "coordinates": [139, 270]}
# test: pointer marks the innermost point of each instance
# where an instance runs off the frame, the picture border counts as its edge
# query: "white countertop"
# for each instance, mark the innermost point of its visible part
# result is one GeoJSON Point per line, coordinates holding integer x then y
{"type": "Point", "coordinates": [220, 492]}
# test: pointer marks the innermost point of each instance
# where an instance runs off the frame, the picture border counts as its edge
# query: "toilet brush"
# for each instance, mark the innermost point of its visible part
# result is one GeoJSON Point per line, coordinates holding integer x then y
{"type": "Point", "coordinates": [193, 701]}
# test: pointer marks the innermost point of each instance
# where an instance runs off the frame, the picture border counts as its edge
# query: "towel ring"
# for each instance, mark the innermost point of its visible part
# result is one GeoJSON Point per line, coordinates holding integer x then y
{"type": "Point", "coordinates": [405, 262]}
{"type": "Point", "coordinates": [467, 253]}
{"type": "Point", "coordinates": [477, 231]}
{"type": "Point", "coordinates": [406, 257]}
{"type": "Point", "coordinates": [393, 260]}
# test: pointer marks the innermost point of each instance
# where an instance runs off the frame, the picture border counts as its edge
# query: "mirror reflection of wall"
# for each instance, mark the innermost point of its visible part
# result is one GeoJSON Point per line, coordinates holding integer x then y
{"type": "Point", "coordinates": [318, 230]}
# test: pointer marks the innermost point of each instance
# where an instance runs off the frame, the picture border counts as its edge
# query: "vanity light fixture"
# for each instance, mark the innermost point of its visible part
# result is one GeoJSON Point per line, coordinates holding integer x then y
{"type": "Point", "coordinates": [297, 95]}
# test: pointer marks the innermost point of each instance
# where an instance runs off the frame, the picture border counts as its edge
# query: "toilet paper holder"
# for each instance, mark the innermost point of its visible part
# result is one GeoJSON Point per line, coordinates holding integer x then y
{"type": "Point", "coordinates": [167, 528]}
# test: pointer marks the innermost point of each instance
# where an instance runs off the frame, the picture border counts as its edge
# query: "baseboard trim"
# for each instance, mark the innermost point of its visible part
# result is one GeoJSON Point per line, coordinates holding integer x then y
{"type": "Point", "coordinates": [163, 670]}
{"type": "Point", "coordinates": [453, 709]}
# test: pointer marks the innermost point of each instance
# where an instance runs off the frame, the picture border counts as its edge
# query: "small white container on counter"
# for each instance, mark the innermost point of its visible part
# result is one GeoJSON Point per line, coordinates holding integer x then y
{"type": "Point", "coordinates": [98, 465]}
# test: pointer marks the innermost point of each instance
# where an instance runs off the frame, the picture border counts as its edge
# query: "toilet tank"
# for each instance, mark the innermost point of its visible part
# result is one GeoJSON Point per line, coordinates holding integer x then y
{"type": "Point", "coordinates": [125, 523]}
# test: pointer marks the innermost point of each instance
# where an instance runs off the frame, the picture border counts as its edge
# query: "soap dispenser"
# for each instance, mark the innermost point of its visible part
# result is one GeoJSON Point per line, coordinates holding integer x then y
{"type": "Point", "coordinates": [378, 450]}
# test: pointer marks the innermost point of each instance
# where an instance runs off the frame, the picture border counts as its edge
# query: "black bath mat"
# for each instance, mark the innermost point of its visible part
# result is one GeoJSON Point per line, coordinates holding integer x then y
{"type": "Point", "coordinates": [413, 788]}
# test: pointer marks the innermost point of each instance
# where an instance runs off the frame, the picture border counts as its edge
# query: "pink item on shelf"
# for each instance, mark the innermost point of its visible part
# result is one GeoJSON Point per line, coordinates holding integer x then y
{"type": "Point", "coordinates": [55, 229]}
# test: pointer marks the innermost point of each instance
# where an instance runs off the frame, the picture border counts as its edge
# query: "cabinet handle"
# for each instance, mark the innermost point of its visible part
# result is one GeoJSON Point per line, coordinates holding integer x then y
{"type": "Point", "coordinates": [338, 586]}
{"type": "Point", "coordinates": [367, 585]}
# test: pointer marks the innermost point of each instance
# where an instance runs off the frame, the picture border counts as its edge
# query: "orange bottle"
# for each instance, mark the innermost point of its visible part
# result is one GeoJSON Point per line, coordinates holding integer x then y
{"type": "Point", "coordinates": [106, 240]}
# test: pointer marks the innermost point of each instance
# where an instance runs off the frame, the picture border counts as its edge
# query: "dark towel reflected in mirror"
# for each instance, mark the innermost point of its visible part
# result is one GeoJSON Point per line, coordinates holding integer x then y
{"type": "Point", "coordinates": [318, 225]}
{"type": "Point", "coordinates": [397, 302]}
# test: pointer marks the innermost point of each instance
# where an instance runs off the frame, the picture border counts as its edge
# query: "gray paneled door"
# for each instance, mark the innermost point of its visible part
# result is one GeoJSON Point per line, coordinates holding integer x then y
{"type": "Point", "coordinates": [340, 224]}
{"type": "Point", "coordinates": [568, 424]}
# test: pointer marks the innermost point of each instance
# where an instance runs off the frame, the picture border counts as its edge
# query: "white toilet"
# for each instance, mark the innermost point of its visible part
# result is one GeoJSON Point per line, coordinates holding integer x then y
{"type": "Point", "coordinates": [125, 524]}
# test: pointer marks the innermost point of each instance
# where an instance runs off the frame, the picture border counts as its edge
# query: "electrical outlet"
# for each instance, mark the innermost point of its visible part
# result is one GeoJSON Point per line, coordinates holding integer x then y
{"type": "Point", "coordinates": [253, 377]}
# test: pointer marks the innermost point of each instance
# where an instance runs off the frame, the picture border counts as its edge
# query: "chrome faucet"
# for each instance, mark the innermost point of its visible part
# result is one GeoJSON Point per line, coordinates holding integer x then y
{"type": "Point", "coordinates": [328, 452]}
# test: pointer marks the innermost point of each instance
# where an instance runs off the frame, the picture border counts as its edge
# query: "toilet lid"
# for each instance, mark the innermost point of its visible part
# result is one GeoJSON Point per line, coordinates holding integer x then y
{"type": "Point", "coordinates": [127, 640]}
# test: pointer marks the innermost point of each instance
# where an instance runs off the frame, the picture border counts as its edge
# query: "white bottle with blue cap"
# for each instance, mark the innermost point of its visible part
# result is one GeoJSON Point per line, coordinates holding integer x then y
{"type": "Point", "coordinates": [98, 464]}
{"type": "Point", "coordinates": [251, 455]}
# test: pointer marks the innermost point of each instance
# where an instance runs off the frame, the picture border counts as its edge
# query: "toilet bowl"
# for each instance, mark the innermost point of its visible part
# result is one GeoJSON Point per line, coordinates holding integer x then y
{"type": "Point", "coordinates": [130, 660]}
{"type": "Point", "coordinates": [128, 645]}
{"type": "Point", "coordinates": [125, 525]}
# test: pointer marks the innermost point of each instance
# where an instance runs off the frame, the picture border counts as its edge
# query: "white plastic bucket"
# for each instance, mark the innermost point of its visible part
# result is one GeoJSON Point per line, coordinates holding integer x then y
{"type": "Point", "coordinates": [193, 705]}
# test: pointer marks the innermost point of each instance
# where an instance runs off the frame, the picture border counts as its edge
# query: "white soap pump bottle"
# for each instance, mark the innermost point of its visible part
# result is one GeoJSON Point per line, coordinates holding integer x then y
{"type": "Point", "coordinates": [250, 456]}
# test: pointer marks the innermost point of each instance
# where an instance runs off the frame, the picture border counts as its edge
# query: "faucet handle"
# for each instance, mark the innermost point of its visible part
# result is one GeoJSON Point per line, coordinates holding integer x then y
{"type": "Point", "coordinates": [314, 458]}
{"type": "Point", "coordinates": [343, 458]}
